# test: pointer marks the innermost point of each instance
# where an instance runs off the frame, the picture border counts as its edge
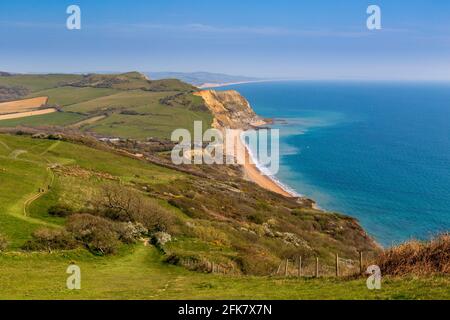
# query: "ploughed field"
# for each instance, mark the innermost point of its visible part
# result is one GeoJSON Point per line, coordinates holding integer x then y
{"type": "Point", "coordinates": [23, 105]}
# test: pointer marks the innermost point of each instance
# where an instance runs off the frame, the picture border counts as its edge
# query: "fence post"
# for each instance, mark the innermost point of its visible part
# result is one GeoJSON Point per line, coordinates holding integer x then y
{"type": "Point", "coordinates": [337, 265]}
{"type": "Point", "coordinates": [361, 267]}
{"type": "Point", "coordinates": [279, 267]}
{"type": "Point", "coordinates": [300, 266]}
{"type": "Point", "coordinates": [286, 268]}
{"type": "Point", "coordinates": [317, 267]}
{"type": "Point", "coordinates": [212, 267]}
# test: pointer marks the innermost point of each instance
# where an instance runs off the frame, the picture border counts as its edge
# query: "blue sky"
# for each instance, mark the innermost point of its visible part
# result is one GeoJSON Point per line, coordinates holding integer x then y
{"type": "Point", "coordinates": [320, 39]}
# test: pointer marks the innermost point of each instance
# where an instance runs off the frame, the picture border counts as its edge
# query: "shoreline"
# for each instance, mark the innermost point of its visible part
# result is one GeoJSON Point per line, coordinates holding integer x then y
{"type": "Point", "coordinates": [254, 173]}
{"type": "Point", "coordinates": [225, 84]}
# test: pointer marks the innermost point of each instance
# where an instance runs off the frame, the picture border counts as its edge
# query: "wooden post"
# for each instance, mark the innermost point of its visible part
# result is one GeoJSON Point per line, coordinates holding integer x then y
{"type": "Point", "coordinates": [286, 268]}
{"type": "Point", "coordinates": [317, 267]}
{"type": "Point", "coordinates": [212, 267]}
{"type": "Point", "coordinates": [279, 268]}
{"type": "Point", "coordinates": [337, 265]}
{"type": "Point", "coordinates": [361, 266]}
{"type": "Point", "coordinates": [300, 266]}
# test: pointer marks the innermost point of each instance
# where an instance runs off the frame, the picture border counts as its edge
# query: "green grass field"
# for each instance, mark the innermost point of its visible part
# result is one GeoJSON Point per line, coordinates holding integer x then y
{"type": "Point", "coordinates": [24, 166]}
{"type": "Point", "coordinates": [64, 96]}
{"type": "Point", "coordinates": [139, 273]}
{"type": "Point", "coordinates": [132, 104]}
{"type": "Point", "coordinates": [38, 82]}
{"type": "Point", "coordinates": [50, 119]}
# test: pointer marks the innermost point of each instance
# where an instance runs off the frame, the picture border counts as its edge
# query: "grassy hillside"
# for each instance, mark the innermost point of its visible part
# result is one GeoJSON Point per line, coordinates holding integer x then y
{"type": "Point", "coordinates": [52, 119]}
{"type": "Point", "coordinates": [64, 96]}
{"type": "Point", "coordinates": [141, 274]}
{"type": "Point", "coordinates": [131, 81]}
{"type": "Point", "coordinates": [219, 226]}
{"type": "Point", "coordinates": [133, 106]}
{"type": "Point", "coordinates": [233, 223]}
{"type": "Point", "coordinates": [38, 82]}
{"type": "Point", "coordinates": [24, 168]}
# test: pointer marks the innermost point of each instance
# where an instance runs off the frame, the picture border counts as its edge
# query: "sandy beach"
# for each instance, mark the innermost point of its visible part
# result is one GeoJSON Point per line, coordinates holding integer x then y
{"type": "Point", "coordinates": [218, 85]}
{"type": "Point", "coordinates": [252, 172]}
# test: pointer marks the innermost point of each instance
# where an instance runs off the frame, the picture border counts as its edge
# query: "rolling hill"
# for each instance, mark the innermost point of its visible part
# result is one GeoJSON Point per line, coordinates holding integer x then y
{"type": "Point", "coordinates": [200, 78]}
{"type": "Point", "coordinates": [119, 105]}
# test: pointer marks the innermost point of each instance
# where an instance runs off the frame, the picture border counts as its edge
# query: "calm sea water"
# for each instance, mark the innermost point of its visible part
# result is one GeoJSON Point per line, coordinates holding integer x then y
{"type": "Point", "coordinates": [379, 152]}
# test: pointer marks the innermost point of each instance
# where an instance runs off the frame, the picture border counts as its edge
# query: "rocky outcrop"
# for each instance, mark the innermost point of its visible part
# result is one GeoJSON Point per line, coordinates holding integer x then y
{"type": "Point", "coordinates": [230, 110]}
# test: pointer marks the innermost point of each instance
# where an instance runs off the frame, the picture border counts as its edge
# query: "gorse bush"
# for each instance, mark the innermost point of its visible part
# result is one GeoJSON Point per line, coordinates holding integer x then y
{"type": "Point", "coordinates": [416, 257]}
{"type": "Point", "coordinates": [60, 211]}
{"type": "Point", "coordinates": [97, 234]}
{"type": "Point", "coordinates": [51, 239]}
{"type": "Point", "coordinates": [118, 203]}
{"type": "Point", "coordinates": [117, 214]}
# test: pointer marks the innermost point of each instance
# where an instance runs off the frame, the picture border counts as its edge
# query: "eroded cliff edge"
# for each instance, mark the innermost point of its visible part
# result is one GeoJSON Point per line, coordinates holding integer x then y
{"type": "Point", "coordinates": [230, 110]}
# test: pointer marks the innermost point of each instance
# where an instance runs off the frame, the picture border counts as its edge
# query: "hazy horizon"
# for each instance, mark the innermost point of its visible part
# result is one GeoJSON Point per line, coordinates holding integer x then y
{"type": "Point", "coordinates": [323, 40]}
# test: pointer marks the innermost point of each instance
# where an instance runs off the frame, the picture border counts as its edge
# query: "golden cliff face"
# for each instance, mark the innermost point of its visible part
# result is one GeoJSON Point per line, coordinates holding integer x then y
{"type": "Point", "coordinates": [230, 110]}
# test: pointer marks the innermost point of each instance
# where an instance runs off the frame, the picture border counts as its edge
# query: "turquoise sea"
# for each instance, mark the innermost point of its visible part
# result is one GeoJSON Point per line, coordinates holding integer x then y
{"type": "Point", "coordinates": [377, 151]}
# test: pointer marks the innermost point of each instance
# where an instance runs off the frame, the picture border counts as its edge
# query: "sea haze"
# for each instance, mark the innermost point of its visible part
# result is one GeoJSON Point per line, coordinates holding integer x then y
{"type": "Point", "coordinates": [379, 151]}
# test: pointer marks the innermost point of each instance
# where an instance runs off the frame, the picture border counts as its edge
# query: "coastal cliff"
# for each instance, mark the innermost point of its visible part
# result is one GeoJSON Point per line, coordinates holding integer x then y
{"type": "Point", "coordinates": [230, 110]}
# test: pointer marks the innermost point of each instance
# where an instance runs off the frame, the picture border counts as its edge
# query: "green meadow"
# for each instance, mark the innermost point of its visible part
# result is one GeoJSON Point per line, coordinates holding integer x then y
{"type": "Point", "coordinates": [133, 106]}
{"type": "Point", "coordinates": [140, 273]}
{"type": "Point", "coordinates": [38, 82]}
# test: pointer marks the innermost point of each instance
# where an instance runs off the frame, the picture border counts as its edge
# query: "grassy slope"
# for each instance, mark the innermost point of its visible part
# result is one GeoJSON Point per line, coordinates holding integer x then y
{"type": "Point", "coordinates": [137, 272]}
{"type": "Point", "coordinates": [51, 119]}
{"type": "Point", "coordinates": [150, 118]}
{"type": "Point", "coordinates": [38, 82]}
{"type": "Point", "coordinates": [24, 169]}
{"type": "Point", "coordinates": [64, 96]}
{"type": "Point", "coordinates": [141, 274]}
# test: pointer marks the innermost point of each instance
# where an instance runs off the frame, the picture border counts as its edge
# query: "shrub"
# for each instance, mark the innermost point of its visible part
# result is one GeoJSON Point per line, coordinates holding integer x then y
{"type": "Point", "coordinates": [419, 258]}
{"type": "Point", "coordinates": [129, 232]}
{"type": "Point", "coordinates": [118, 203]}
{"type": "Point", "coordinates": [3, 243]}
{"type": "Point", "coordinates": [60, 211]}
{"type": "Point", "coordinates": [51, 239]}
{"type": "Point", "coordinates": [154, 217]}
{"type": "Point", "coordinates": [98, 234]}
{"type": "Point", "coordinates": [159, 239]}
{"type": "Point", "coordinates": [126, 205]}
{"type": "Point", "coordinates": [256, 218]}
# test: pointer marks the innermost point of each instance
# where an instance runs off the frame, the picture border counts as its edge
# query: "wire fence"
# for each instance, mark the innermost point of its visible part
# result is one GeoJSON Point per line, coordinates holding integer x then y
{"type": "Point", "coordinates": [297, 267]}
{"type": "Point", "coordinates": [314, 267]}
